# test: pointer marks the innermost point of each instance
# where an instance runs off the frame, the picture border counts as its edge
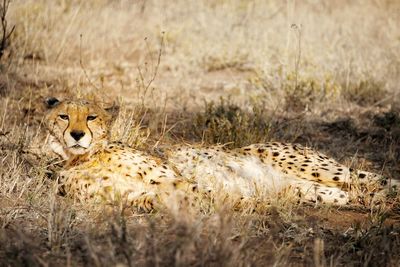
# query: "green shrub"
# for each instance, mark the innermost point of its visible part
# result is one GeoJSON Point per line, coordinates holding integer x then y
{"type": "Point", "coordinates": [227, 123]}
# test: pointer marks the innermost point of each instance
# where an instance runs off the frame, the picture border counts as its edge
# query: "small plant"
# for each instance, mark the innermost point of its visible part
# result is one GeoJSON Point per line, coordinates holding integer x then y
{"type": "Point", "coordinates": [128, 127]}
{"type": "Point", "coordinates": [365, 92]}
{"type": "Point", "coordinates": [228, 123]}
{"type": "Point", "coordinates": [308, 91]}
{"type": "Point", "coordinates": [388, 120]}
{"type": "Point", "coordinates": [235, 60]}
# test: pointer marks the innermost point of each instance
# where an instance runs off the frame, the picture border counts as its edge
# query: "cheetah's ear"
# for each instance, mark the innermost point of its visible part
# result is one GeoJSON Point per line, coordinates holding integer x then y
{"type": "Point", "coordinates": [51, 102]}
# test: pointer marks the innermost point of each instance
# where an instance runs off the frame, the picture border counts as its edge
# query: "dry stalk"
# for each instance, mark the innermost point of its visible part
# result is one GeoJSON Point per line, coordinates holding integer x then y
{"type": "Point", "coordinates": [146, 85]}
{"type": "Point", "coordinates": [297, 29]}
{"type": "Point", "coordinates": [82, 66]}
{"type": "Point", "coordinates": [5, 35]}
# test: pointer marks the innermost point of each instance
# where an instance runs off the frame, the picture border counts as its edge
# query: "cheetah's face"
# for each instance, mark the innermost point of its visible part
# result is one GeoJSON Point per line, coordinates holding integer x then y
{"type": "Point", "coordinates": [77, 126]}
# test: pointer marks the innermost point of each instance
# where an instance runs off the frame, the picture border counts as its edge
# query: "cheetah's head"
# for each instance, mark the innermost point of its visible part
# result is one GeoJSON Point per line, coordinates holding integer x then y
{"type": "Point", "coordinates": [77, 127]}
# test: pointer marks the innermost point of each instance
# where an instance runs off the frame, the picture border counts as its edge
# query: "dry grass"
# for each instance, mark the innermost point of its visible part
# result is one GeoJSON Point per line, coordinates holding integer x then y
{"type": "Point", "coordinates": [321, 73]}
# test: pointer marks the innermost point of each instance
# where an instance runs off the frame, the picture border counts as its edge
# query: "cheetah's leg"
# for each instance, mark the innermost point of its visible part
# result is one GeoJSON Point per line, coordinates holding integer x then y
{"type": "Point", "coordinates": [372, 188]}
{"type": "Point", "coordinates": [144, 201]}
{"type": "Point", "coordinates": [317, 193]}
{"type": "Point", "coordinates": [165, 183]}
{"type": "Point", "coordinates": [369, 178]}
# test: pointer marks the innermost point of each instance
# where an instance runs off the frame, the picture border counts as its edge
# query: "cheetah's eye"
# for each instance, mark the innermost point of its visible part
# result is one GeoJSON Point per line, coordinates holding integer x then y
{"type": "Point", "coordinates": [91, 117]}
{"type": "Point", "coordinates": [63, 117]}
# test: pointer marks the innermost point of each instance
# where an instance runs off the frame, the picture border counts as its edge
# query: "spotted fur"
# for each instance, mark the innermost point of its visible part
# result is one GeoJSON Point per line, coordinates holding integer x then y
{"type": "Point", "coordinates": [94, 168]}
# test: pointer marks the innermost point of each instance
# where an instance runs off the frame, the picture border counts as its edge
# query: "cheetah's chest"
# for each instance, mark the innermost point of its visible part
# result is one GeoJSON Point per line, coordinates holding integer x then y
{"type": "Point", "coordinates": [118, 172]}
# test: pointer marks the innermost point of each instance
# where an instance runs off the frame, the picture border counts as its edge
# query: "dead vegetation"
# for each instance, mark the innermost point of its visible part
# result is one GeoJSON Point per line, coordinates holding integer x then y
{"type": "Point", "coordinates": [205, 72]}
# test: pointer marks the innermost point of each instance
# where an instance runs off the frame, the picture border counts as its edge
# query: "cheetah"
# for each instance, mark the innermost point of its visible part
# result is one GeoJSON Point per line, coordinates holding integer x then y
{"type": "Point", "coordinates": [94, 167]}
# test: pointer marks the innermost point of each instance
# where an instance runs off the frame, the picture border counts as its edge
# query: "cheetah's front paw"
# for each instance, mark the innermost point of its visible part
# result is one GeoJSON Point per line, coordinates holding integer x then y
{"type": "Point", "coordinates": [146, 202]}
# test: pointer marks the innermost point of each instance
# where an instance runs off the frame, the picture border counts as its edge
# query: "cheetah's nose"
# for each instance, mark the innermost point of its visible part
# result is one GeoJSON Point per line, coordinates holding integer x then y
{"type": "Point", "coordinates": [77, 135]}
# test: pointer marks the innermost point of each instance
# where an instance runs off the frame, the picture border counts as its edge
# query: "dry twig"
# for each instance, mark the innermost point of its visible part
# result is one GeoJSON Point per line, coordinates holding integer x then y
{"type": "Point", "coordinates": [5, 34]}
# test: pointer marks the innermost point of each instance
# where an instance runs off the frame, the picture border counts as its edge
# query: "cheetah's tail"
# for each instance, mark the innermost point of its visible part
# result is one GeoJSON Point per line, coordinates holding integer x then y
{"type": "Point", "coordinates": [365, 177]}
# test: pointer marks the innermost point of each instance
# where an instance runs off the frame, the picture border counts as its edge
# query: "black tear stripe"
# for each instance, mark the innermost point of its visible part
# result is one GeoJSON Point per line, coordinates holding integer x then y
{"type": "Point", "coordinates": [91, 134]}
{"type": "Point", "coordinates": [66, 128]}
